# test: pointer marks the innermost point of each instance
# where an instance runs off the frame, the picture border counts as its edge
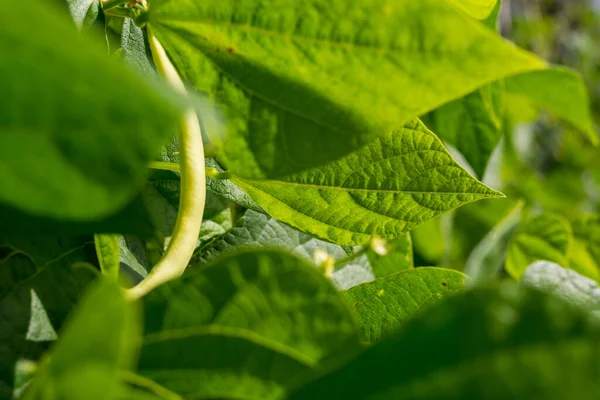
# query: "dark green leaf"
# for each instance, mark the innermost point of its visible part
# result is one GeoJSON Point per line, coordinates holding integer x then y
{"type": "Point", "coordinates": [247, 326]}
{"type": "Point", "coordinates": [492, 343]}
{"type": "Point", "coordinates": [386, 303]}
{"type": "Point", "coordinates": [79, 129]}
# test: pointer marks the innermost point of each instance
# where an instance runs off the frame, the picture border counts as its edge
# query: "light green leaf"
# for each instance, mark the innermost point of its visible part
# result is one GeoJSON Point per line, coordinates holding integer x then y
{"type": "Point", "coordinates": [108, 253]}
{"type": "Point", "coordinates": [543, 237]}
{"type": "Point", "coordinates": [488, 257]}
{"type": "Point", "coordinates": [69, 150]}
{"type": "Point", "coordinates": [508, 342]}
{"type": "Point", "coordinates": [472, 124]}
{"type": "Point", "coordinates": [386, 189]}
{"type": "Point", "coordinates": [247, 326]}
{"type": "Point", "coordinates": [560, 91]}
{"type": "Point", "coordinates": [398, 256]}
{"type": "Point", "coordinates": [478, 9]}
{"type": "Point", "coordinates": [564, 283]}
{"type": "Point", "coordinates": [304, 83]}
{"type": "Point", "coordinates": [84, 12]}
{"type": "Point", "coordinates": [585, 256]}
{"type": "Point", "coordinates": [386, 303]}
{"type": "Point", "coordinates": [48, 269]}
{"type": "Point", "coordinates": [99, 340]}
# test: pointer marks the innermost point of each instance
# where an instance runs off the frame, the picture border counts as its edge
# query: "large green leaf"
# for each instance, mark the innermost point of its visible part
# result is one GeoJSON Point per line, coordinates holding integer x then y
{"type": "Point", "coordinates": [77, 129]}
{"type": "Point", "coordinates": [504, 343]}
{"type": "Point", "coordinates": [386, 189]}
{"type": "Point", "coordinates": [543, 237]}
{"type": "Point", "coordinates": [247, 326]}
{"type": "Point", "coordinates": [585, 256]}
{"type": "Point", "coordinates": [304, 83]}
{"type": "Point", "coordinates": [386, 303]}
{"type": "Point", "coordinates": [33, 270]}
{"type": "Point", "coordinates": [100, 339]}
{"type": "Point", "coordinates": [560, 91]}
{"type": "Point", "coordinates": [564, 283]}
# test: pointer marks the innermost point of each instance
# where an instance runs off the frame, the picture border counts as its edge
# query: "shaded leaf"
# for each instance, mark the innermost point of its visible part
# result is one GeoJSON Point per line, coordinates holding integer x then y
{"type": "Point", "coordinates": [69, 150]}
{"type": "Point", "coordinates": [585, 256]}
{"type": "Point", "coordinates": [247, 326]}
{"type": "Point", "coordinates": [385, 189]}
{"type": "Point", "coordinates": [543, 237]}
{"type": "Point", "coordinates": [559, 90]}
{"type": "Point", "coordinates": [338, 75]}
{"type": "Point", "coordinates": [564, 283]}
{"type": "Point", "coordinates": [386, 303]}
{"type": "Point", "coordinates": [98, 341]}
{"type": "Point", "coordinates": [508, 342]}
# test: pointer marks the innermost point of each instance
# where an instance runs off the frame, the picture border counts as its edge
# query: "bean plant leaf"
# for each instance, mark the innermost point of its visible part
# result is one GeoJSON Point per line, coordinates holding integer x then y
{"type": "Point", "coordinates": [508, 342]}
{"type": "Point", "coordinates": [478, 9]}
{"type": "Point", "coordinates": [84, 12]}
{"type": "Point", "coordinates": [559, 90]}
{"type": "Point", "coordinates": [135, 50]}
{"type": "Point", "coordinates": [472, 124]}
{"type": "Point", "coordinates": [49, 268]}
{"type": "Point", "coordinates": [69, 149]}
{"type": "Point", "coordinates": [585, 257]}
{"type": "Point", "coordinates": [488, 257]}
{"type": "Point", "coordinates": [543, 237]}
{"type": "Point", "coordinates": [97, 342]}
{"type": "Point", "coordinates": [247, 326]}
{"type": "Point", "coordinates": [397, 255]}
{"type": "Point", "coordinates": [564, 283]}
{"type": "Point", "coordinates": [386, 189]}
{"type": "Point", "coordinates": [386, 303]}
{"type": "Point", "coordinates": [316, 81]}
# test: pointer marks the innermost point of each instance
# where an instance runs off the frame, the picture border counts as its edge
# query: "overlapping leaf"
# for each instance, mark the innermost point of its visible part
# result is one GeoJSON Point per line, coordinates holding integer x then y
{"type": "Point", "coordinates": [247, 326]}
{"type": "Point", "coordinates": [585, 257]}
{"type": "Point", "coordinates": [69, 149]}
{"type": "Point", "coordinates": [386, 303]}
{"type": "Point", "coordinates": [504, 343]}
{"type": "Point", "coordinates": [304, 83]}
{"type": "Point", "coordinates": [386, 189]}
{"type": "Point", "coordinates": [543, 237]}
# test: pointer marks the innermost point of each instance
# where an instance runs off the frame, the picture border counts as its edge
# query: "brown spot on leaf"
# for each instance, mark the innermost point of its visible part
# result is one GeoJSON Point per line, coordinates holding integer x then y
{"type": "Point", "coordinates": [444, 283]}
{"type": "Point", "coordinates": [230, 50]}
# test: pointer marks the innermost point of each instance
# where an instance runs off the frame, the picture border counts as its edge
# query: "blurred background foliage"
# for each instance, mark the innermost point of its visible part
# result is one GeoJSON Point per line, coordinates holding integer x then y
{"type": "Point", "coordinates": [541, 162]}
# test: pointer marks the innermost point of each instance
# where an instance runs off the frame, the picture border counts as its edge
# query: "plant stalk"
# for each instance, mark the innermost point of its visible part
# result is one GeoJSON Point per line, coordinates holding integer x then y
{"type": "Point", "coordinates": [193, 187]}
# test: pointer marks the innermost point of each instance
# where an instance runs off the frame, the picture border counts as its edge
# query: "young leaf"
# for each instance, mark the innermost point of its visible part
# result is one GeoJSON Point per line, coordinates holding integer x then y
{"type": "Point", "coordinates": [386, 189]}
{"type": "Point", "coordinates": [49, 268]}
{"type": "Point", "coordinates": [488, 257]}
{"type": "Point", "coordinates": [508, 342]}
{"type": "Point", "coordinates": [304, 83]}
{"type": "Point", "coordinates": [247, 326]}
{"type": "Point", "coordinates": [99, 340]}
{"type": "Point", "coordinates": [560, 91]}
{"type": "Point", "coordinates": [386, 303]}
{"type": "Point", "coordinates": [79, 129]}
{"type": "Point", "coordinates": [544, 237]}
{"type": "Point", "coordinates": [564, 283]}
{"type": "Point", "coordinates": [135, 49]}
{"type": "Point", "coordinates": [478, 9]}
{"type": "Point", "coordinates": [84, 12]}
{"type": "Point", "coordinates": [585, 257]}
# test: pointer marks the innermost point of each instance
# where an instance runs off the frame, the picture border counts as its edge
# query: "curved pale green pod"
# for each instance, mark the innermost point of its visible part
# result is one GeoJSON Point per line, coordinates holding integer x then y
{"type": "Point", "coordinates": [543, 237]}
{"type": "Point", "coordinates": [386, 303]}
{"type": "Point", "coordinates": [304, 83]}
{"type": "Point", "coordinates": [387, 188]}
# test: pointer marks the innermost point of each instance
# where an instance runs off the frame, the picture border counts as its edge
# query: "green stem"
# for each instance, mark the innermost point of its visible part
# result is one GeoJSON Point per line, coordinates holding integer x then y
{"type": "Point", "coordinates": [193, 187]}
